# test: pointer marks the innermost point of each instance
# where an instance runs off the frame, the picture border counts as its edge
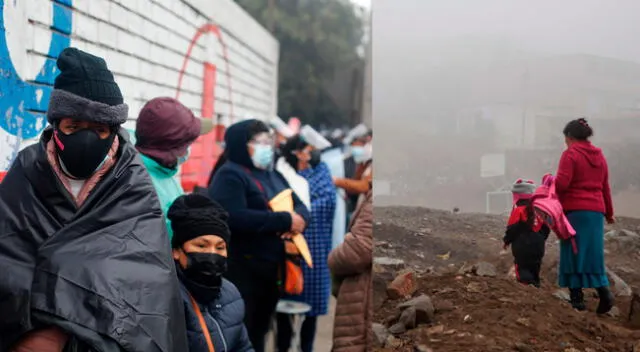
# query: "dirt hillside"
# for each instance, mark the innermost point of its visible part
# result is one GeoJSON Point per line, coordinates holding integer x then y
{"type": "Point", "coordinates": [491, 312]}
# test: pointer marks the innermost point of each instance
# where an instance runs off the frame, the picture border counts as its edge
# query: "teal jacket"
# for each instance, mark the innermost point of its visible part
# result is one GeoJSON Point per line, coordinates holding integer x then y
{"type": "Point", "coordinates": [166, 184]}
{"type": "Point", "coordinates": [164, 181]}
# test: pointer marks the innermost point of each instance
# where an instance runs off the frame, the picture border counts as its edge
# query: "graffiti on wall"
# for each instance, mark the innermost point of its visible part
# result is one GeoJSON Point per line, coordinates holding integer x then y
{"type": "Point", "coordinates": [32, 35]}
{"type": "Point", "coordinates": [24, 100]}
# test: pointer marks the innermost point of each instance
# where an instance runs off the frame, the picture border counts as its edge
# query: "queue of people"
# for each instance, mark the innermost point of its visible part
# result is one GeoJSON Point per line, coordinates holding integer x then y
{"type": "Point", "coordinates": [104, 251]}
{"type": "Point", "coordinates": [581, 189]}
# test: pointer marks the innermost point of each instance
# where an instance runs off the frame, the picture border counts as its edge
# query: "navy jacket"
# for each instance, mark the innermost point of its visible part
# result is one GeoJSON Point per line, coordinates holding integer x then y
{"type": "Point", "coordinates": [224, 318]}
{"type": "Point", "coordinates": [244, 192]}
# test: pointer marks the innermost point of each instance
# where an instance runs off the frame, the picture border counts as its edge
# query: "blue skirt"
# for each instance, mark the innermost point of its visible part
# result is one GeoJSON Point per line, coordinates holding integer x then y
{"type": "Point", "coordinates": [586, 268]}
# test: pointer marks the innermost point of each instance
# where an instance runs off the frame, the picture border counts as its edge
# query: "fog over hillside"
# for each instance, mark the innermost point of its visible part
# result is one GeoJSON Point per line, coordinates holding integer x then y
{"type": "Point", "coordinates": [463, 86]}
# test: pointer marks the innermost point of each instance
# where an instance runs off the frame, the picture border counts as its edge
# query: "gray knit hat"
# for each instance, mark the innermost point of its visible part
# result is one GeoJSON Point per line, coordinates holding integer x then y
{"type": "Point", "coordinates": [86, 90]}
{"type": "Point", "coordinates": [522, 189]}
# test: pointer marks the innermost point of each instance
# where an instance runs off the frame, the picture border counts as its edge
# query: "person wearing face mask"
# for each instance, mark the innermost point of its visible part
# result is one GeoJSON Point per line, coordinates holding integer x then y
{"type": "Point", "coordinates": [361, 183]}
{"type": "Point", "coordinates": [165, 129]}
{"type": "Point", "coordinates": [243, 185]}
{"type": "Point", "coordinates": [317, 280]}
{"type": "Point", "coordinates": [213, 306]}
{"type": "Point", "coordinates": [297, 182]}
{"type": "Point", "coordinates": [84, 236]}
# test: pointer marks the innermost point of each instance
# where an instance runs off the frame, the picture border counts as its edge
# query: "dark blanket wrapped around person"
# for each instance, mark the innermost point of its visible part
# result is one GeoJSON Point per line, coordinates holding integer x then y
{"type": "Point", "coordinates": [100, 271]}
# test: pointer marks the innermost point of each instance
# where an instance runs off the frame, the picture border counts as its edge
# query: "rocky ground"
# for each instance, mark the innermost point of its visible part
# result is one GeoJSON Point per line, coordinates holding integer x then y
{"type": "Point", "coordinates": [443, 283]}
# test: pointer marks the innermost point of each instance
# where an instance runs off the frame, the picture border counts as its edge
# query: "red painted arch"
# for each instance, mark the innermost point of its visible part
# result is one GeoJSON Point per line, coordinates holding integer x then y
{"type": "Point", "coordinates": [205, 150]}
{"type": "Point", "coordinates": [213, 29]}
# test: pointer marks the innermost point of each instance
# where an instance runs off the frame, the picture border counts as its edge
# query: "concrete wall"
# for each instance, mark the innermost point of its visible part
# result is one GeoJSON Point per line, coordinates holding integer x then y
{"type": "Point", "coordinates": [154, 47]}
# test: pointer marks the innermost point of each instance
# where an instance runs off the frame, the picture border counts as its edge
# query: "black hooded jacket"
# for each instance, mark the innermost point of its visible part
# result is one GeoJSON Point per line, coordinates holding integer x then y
{"type": "Point", "coordinates": [103, 272]}
{"type": "Point", "coordinates": [244, 192]}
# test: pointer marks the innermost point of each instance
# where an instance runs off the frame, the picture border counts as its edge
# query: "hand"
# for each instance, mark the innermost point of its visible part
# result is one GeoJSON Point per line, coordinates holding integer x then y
{"type": "Point", "coordinates": [297, 223]}
{"type": "Point", "coordinates": [44, 340]}
{"type": "Point", "coordinates": [291, 249]}
{"type": "Point", "coordinates": [611, 220]}
{"type": "Point", "coordinates": [286, 236]}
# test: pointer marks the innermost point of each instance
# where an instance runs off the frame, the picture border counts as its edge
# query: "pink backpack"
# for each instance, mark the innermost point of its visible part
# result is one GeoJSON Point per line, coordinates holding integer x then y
{"type": "Point", "coordinates": [548, 207]}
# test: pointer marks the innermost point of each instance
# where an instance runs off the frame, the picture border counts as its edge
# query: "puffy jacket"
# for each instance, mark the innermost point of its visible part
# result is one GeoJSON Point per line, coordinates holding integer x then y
{"type": "Point", "coordinates": [224, 318]}
{"type": "Point", "coordinates": [351, 264]}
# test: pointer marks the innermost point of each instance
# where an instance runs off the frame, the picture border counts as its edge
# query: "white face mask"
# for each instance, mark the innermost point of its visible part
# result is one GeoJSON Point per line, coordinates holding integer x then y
{"type": "Point", "coordinates": [362, 154]}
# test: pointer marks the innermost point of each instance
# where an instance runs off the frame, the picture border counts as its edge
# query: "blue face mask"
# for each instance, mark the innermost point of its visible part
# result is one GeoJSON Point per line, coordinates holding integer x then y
{"type": "Point", "coordinates": [183, 159]}
{"type": "Point", "coordinates": [262, 156]}
{"type": "Point", "coordinates": [357, 152]}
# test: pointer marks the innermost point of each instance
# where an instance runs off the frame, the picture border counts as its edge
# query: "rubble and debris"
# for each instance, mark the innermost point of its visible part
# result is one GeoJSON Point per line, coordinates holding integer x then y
{"type": "Point", "coordinates": [434, 330]}
{"type": "Point", "coordinates": [619, 287]}
{"type": "Point", "coordinates": [473, 302]}
{"type": "Point", "coordinates": [485, 269]}
{"type": "Point", "coordinates": [393, 342]}
{"type": "Point", "coordinates": [404, 285]}
{"type": "Point", "coordinates": [423, 308]}
{"type": "Point", "coordinates": [466, 269]}
{"type": "Point", "coordinates": [563, 295]}
{"type": "Point", "coordinates": [422, 348]}
{"type": "Point", "coordinates": [388, 264]}
{"type": "Point", "coordinates": [380, 333]}
{"type": "Point", "coordinates": [634, 311]}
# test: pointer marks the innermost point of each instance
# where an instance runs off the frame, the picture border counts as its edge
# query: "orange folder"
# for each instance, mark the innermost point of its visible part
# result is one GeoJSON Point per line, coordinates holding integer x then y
{"type": "Point", "coordinates": [284, 202]}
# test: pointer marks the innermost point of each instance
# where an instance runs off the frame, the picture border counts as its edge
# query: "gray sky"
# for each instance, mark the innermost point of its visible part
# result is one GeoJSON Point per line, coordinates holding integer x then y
{"type": "Point", "coordinates": [415, 40]}
{"type": "Point", "coordinates": [603, 27]}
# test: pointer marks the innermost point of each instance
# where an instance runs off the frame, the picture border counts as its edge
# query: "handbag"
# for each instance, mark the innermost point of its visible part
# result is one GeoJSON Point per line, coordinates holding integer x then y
{"type": "Point", "coordinates": [293, 277]}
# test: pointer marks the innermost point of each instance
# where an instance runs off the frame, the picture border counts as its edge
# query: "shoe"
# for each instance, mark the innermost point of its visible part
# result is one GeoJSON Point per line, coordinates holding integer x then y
{"type": "Point", "coordinates": [577, 299]}
{"type": "Point", "coordinates": [606, 300]}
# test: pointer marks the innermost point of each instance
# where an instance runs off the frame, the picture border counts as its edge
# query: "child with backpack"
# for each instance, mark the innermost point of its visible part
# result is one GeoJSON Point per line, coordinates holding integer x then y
{"type": "Point", "coordinates": [526, 234]}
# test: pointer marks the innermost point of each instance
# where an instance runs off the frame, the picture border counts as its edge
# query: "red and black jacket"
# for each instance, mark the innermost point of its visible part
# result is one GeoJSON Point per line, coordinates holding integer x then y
{"type": "Point", "coordinates": [519, 223]}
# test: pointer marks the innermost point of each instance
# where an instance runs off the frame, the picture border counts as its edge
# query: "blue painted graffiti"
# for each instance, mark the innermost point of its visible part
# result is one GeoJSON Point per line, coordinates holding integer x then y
{"type": "Point", "coordinates": [23, 103]}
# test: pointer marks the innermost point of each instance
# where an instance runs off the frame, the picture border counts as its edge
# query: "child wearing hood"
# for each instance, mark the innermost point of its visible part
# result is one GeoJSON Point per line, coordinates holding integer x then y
{"type": "Point", "coordinates": [526, 234]}
{"type": "Point", "coordinates": [213, 306]}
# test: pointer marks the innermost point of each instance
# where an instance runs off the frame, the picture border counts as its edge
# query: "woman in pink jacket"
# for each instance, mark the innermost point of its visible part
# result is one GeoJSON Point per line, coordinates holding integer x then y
{"type": "Point", "coordinates": [582, 185]}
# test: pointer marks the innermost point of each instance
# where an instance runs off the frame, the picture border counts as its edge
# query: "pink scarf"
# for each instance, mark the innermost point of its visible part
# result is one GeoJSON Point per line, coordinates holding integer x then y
{"type": "Point", "coordinates": [89, 184]}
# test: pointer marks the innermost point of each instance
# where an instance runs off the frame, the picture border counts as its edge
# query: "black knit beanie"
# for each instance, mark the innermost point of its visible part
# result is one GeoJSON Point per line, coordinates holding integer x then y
{"type": "Point", "coordinates": [195, 215]}
{"type": "Point", "coordinates": [85, 89]}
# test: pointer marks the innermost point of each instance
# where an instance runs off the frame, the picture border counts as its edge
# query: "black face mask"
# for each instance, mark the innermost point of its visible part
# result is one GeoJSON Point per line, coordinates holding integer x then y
{"type": "Point", "coordinates": [315, 158]}
{"type": "Point", "coordinates": [203, 275]}
{"type": "Point", "coordinates": [205, 268]}
{"type": "Point", "coordinates": [82, 152]}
